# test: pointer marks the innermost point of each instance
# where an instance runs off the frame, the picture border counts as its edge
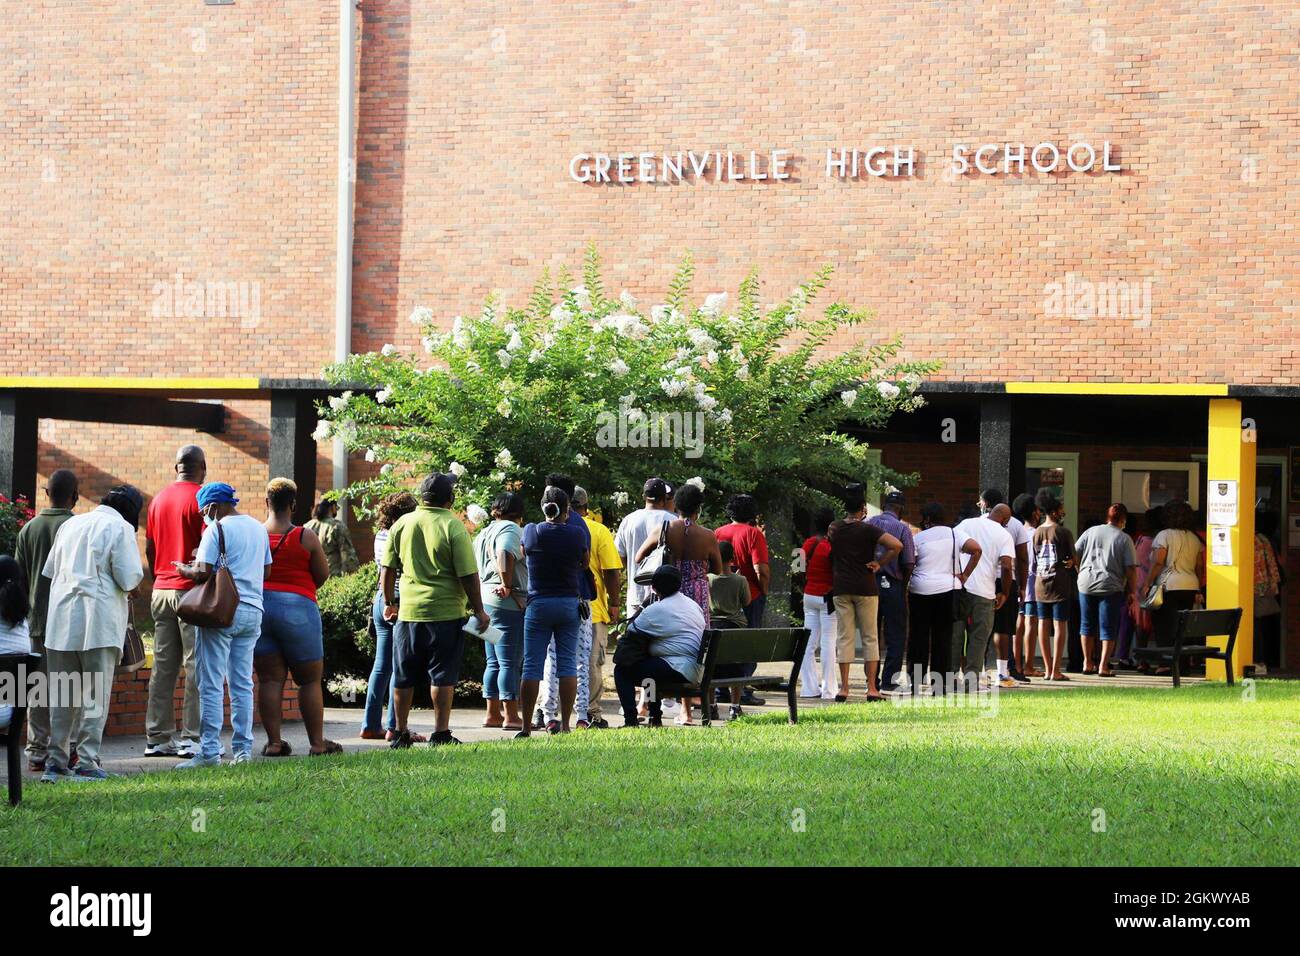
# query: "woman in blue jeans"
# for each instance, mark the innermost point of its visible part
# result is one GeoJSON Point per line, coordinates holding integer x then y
{"type": "Point", "coordinates": [557, 556]}
{"type": "Point", "coordinates": [503, 582]}
{"type": "Point", "coordinates": [379, 688]}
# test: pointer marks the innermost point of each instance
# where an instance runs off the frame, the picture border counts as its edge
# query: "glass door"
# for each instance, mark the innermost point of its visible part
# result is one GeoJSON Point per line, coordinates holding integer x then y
{"type": "Point", "coordinates": [1058, 470]}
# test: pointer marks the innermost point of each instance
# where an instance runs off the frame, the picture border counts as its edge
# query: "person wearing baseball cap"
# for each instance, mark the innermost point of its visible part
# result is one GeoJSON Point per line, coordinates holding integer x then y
{"type": "Point", "coordinates": [224, 655]}
{"type": "Point", "coordinates": [432, 553]}
{"type": "Point", "coordinates": [633, 531]}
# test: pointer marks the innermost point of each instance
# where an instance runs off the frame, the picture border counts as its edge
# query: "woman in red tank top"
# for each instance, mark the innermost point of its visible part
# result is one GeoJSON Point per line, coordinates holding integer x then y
{"type": "Point", "coordinates": [291, 627]}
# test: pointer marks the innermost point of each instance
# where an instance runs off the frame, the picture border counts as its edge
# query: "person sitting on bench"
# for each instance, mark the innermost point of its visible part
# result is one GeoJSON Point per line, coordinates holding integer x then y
{"type": "Point", "coordinates": [730, 594]}
{"type": "Point", "coordinates": [672, 627]}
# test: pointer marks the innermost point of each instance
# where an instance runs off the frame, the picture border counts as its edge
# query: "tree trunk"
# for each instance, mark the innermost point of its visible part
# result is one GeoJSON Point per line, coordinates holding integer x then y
{"type": "Point", "coordinates": [778, 524]}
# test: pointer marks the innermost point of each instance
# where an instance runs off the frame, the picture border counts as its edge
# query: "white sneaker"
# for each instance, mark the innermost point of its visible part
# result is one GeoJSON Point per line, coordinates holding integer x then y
{"type": "Point", "coordinates": [242, 756]}
{"type": "Point", "coordinates": [167, 749]}
{"type": "Point", "coordinates": [198, 760]}
{"type": "Point", "coordinates": [669, 707]}
{"type": "Point", "coordinates": [188, 748]}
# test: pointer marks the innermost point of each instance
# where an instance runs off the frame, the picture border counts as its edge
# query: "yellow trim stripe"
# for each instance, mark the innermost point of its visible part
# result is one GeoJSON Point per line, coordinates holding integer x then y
{"type": "Point", "coordinates": [1115, 388]}
{"type": "Point", "coordinates": [109, 381]}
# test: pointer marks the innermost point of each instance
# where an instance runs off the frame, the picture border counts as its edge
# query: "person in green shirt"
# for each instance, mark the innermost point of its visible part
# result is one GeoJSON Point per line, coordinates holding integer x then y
{"type": "Point", "coordinates": [335, 538]}
{"type": "Point", "coordinates": [432, 553]}
{"type": "Point", "coordinates": [35, 540]}
{"type": "Point", "coordinates": [729, 595]}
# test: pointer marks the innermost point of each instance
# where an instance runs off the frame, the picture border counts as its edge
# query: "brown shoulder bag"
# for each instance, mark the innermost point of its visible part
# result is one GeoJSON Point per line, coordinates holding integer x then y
{"type": "Point", "coordinates": [212, 603]}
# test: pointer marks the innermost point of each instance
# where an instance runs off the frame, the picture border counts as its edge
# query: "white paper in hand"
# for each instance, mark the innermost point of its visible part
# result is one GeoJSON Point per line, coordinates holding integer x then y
{"type": "Point", "coordinates": [491, 633]}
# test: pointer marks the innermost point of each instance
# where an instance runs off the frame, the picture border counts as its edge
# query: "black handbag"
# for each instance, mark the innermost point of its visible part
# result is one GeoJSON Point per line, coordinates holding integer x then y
{"type": "Point", "coordinates": [633, 647]}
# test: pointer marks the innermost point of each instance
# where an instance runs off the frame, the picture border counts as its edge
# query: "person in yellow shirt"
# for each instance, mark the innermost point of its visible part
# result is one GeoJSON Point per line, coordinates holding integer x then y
{"type": "Point", "coordinates": [606, 568]}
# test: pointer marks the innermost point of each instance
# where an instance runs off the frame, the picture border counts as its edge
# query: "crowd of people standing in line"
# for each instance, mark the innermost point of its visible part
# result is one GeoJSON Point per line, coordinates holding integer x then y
{"type": "Point", "coordinates": [78, 574]}
{"type": "Point", "coordinates": [932, 606]}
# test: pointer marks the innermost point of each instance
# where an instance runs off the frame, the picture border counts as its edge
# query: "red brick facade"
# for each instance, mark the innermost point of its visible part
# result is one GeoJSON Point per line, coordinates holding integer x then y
{"type": "Point", "coordinates": [152, 139]}
{"type": "Point", "coordinates": [130, 700]}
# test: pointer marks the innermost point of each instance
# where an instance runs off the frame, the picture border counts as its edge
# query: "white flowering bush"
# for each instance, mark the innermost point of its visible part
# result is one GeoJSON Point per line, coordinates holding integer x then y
{"type": "Point", "coordinates": [503, 397]}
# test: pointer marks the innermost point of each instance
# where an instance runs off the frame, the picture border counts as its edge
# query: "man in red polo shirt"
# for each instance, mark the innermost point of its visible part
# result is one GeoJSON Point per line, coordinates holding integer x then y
{"type": "Point", "coordinates": [172, 533]}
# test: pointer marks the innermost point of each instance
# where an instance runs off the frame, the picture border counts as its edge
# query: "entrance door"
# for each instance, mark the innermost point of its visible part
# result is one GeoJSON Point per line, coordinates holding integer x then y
{"type": "Point", "coordinates": [1058, 470]}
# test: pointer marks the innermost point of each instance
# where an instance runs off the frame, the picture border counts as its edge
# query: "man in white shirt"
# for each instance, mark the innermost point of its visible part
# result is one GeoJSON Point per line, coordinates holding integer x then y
{"type": "Point", "coordinates": [1004, 621]}
{"type": "Point", "coordinates": [633, 531]}
{"type": "Point", "coordinates": [986, 590]}
{"type": "Point", "coordinates": [93, 566]}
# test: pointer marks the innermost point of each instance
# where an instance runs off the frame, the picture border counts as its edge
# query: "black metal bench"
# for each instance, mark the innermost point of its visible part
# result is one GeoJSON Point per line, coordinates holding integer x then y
{"type": "Point", "coordinates": [17, 667]}
{"type": "Point", "coordinates": [747, 645]}
{"type": "Point", "coordinates": [1189, 640]}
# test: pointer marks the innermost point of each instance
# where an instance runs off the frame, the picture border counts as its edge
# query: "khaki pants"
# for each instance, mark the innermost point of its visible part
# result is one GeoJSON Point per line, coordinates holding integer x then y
{"type": "Point", "coordinates": [173, 648]}
{"type": "Point", "coordinates": [38, 717]}
{"type": "Point", "coordinates": [77, 721]}
{"type": "Point", "coordinates": [856, 614]}
{"type": "Point", "coordinates": [599, 638]}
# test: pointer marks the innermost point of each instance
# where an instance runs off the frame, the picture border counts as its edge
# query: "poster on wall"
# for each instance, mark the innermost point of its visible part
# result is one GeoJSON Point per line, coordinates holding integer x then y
{"type": "Point", "coordinates": [1220, 546]}
{"type": "Point", "coordinates": [1221, 503]}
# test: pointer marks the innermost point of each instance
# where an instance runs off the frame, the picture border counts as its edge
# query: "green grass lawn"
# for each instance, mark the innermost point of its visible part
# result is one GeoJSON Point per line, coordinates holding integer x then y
{"type": "Point", "coordinates": [1199, 776]}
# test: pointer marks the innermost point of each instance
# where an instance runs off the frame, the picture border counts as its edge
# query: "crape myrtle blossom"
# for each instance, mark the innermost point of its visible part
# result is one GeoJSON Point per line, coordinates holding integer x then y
{"type": "Point", "coordinates": [515, 390]}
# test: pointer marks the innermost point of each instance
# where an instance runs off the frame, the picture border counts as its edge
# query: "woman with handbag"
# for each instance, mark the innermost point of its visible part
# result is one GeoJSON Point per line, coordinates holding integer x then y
{"type": "Point", "coordinates": [1177, 572]}
{"type": "Point", "coordinates": [231, 564]}
{"type": "Point", "coordinates": [291, 639]}
{"type": "Point", "coordinates": [694, 550]}
{"type": "Point", "coordinates": [503, 581]}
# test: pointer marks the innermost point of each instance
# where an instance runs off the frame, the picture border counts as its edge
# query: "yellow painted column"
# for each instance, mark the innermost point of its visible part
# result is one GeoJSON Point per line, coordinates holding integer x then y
{"type": "Point", "coordinates": [1232, 458]}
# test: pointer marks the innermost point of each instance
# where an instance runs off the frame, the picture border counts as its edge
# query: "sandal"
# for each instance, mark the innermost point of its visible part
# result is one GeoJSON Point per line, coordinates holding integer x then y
{"type": "Point", "coordinates": [841, 698]}
{"type": "Point", "coordinates": [552, 727]}
{"type": "Point", "coordinates": [512, 727]}
{"type": "Point", "coordinates": [1059, 677]}
{"type": "Point", "coordinates": [872, 699]}
{"type": "Point", "coordinates": [282, 748]}
{"type": "Point", "coordinates": [328, 747]}
{"type": "Point", "coordinates": [491, 726]}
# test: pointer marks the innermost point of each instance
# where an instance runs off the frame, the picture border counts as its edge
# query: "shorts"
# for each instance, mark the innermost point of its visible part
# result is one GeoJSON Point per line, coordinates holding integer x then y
{"type": "Point", "coordinates": [1053, 610]}
{"type": "Point", "coordinates": [290, 626]}
{"type": "Point", "coordinates": [855, 614]}
{"type": "Point", "coordinates": [1029, 609]}
{"type": "Point", "coordinates": [427, 649]}
{"type": "Point", "coordinates": [1004, 618]}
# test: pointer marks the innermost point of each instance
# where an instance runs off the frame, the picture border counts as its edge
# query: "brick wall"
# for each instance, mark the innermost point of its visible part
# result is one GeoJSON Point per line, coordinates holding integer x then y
{"type": "Point", "coordinates": [469, 113]}
{"type": "Point", "coordinates": [130, 698]}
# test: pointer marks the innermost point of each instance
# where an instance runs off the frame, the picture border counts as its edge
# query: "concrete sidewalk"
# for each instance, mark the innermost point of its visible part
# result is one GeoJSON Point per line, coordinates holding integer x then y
{"type": "Point", "coordinates": [125, 755]}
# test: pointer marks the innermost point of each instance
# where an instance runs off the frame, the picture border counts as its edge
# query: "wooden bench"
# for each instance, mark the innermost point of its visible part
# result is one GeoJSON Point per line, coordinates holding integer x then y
{"type": "Point", "coordinates": [747, 645]}
{"type": "Point", "coordinates": [1189, 640]}
{"type": "Point", "coordinates": [16, 666]}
